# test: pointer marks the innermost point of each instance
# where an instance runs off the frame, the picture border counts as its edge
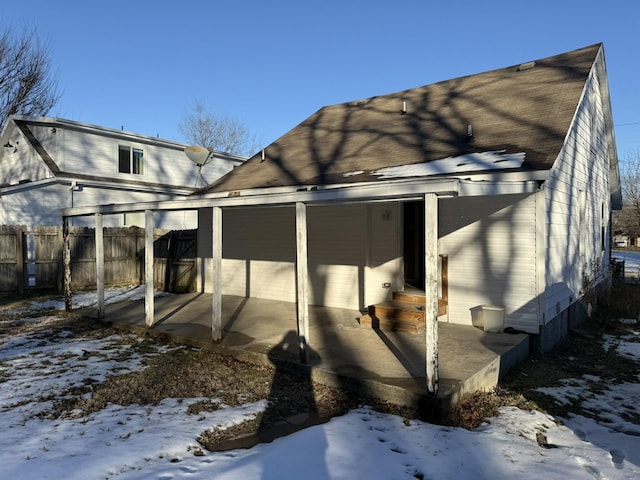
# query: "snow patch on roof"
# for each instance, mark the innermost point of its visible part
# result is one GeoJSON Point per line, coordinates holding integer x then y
{"type": "Point", "coordinates": [471, 162]}
{"type": "Point", "coordinates": [353, 174]}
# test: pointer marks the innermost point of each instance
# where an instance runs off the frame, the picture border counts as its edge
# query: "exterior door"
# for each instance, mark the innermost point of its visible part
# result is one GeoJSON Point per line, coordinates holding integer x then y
{"type": "Point", "coordinates": [414, 244]}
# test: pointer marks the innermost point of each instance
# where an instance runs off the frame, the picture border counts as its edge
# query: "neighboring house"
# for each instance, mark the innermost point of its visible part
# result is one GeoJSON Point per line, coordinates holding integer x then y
{"type": "Point", "coordinates": [50, 163]}
{"type": "Point", "coordinates": [511, 175]}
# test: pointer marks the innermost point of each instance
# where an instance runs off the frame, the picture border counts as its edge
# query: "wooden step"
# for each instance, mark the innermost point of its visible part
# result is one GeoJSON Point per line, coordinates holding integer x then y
{"type": "Point", "coordinates": [421, 299]}
{"type": "Point", "coordinates": [391, 325]}
{"type": "Point", "coordinates": [405, 313]}
{"type": "Point", "coordinates": [410, 297]}
{"type": "Point", "coordinates": [398, 310]}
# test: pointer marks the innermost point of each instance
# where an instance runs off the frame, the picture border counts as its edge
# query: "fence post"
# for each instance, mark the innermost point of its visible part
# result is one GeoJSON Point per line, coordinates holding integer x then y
{"type": "Point", "coordinates": [99, 237]}
{"type": "Point", "coordinates": [20, 260]}
{"type": "Point", "coordinates": [66, 262]}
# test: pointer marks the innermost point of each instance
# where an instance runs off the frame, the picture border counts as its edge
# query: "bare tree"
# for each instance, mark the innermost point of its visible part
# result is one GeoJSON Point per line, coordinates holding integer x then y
{"type": "Point", "coordinates": [26, 84]}
{"type": "Point", "coordinates": [628, 219]}
{"type": "Point", "coordinates": [222, 133]}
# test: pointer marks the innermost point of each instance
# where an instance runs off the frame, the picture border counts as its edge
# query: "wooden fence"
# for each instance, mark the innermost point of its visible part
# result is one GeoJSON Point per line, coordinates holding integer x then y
{"type": "Point", "coordinates": [32, 259]}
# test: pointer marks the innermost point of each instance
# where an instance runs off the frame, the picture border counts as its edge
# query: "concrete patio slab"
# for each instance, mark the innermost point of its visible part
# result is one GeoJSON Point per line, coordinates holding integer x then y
{"type": "Point", "coordinates": [387, 365]}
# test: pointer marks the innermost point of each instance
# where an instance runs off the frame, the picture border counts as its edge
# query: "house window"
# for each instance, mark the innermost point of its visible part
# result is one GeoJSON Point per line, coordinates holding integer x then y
{"type": "Point", "coordinates": [135, 219]}
{"type": "Point", "coordinates": [130, 160]}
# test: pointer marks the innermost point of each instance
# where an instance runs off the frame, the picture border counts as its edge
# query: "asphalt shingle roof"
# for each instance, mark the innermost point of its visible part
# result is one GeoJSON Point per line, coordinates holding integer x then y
{"type": "Point", "coordinates": [514, 109]}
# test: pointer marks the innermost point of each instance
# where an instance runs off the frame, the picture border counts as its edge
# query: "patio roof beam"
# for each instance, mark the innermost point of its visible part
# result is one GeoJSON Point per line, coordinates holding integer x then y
{"type": "Point", "coordinates": [309, 194]}
{"type": "Point", "coordinates": [370, 192]}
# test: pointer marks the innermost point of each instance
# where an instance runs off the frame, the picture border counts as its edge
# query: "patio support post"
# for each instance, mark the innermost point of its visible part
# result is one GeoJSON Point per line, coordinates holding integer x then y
{"type": "Point", "coordinates": [99, 263]}
{"type": "Point", "coordinates": [302, 281]}
{"type": "Point", "coordinates": [216, 277]}
{"type": "Point", "coordinates": [149, 308]}
{"type": "Point", "coordinates": [431, 288]}
{"type": "Point", "coordinates": [66, 264]}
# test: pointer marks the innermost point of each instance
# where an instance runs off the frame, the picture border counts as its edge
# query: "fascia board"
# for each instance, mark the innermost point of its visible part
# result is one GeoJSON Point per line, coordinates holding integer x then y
{"type": "Point", "coordinates": [377, 192]}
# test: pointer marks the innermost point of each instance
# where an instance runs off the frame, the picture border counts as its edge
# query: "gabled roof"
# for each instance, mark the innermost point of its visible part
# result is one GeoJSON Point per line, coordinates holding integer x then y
{"type": "Point", "coordinates": [514, 118]}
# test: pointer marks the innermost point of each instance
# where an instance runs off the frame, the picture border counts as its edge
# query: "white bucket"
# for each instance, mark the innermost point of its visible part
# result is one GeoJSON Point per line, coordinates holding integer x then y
{"type": "Point", "coordinates": [490, 318]}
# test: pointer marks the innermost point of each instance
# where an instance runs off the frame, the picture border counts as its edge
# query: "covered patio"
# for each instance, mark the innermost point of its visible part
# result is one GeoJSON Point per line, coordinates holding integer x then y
{"type": "Point", "coordinates": [419, 366]}
{"type": "Point", "coordinates": [386, 365]}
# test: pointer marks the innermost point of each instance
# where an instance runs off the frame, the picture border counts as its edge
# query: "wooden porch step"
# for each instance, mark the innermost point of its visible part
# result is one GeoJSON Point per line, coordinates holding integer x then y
{"type": "Point", "coordinates": [398, 310]}
{"type": "Point", "coordinates": [405, 313]}
{"type": "Point", "coordinates": [413, 297]}
{"type": "Point", "coordinates": [391, 325]}
{"type": "Point", "coordinates": [421, 299]}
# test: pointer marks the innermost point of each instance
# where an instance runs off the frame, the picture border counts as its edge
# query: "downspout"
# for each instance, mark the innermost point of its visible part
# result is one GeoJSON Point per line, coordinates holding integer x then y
{"type": "Point", "coordinates": [73, 188]}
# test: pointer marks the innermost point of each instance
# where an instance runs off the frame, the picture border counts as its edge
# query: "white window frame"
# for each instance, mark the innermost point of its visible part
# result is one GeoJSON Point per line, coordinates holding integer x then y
{"type": "Point", "coordinates": [134, 167]}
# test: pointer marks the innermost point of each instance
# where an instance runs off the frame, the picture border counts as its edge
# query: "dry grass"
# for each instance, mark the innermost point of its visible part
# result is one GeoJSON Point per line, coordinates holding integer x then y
{"type": "Point", "coordinates": [185, 372]}
{"type": "Point", "coordinates": [581, 354]}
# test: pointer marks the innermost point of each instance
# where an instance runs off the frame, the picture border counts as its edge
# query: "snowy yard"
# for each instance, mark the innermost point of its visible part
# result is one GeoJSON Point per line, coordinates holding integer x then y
{"type": "Point", "coordinates": [159, 442]}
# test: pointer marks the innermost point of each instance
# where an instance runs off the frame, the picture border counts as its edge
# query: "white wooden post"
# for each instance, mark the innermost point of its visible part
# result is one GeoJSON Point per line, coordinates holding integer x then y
{"type": "Point", "coordinates": [99, 235]}
{"type": "Point", "coordinates": [149, 307]}
{"type": "Point", "coordinates": [216, 274]}
{"type": "Point", "coordinates": [431, 288]}
{"type": "Point", "coordinates": [66, 264]}
{"type": "Point", "coordinates": [302, 281]}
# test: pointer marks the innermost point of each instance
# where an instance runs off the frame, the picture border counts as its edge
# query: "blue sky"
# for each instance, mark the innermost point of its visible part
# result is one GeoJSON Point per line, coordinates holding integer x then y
{"type": "Point", "coordinates": [140, 64]}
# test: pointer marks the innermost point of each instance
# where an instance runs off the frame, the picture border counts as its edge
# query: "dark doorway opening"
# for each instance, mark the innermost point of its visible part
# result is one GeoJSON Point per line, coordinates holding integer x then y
{"type": "Point", "coordinates": [414, 244]}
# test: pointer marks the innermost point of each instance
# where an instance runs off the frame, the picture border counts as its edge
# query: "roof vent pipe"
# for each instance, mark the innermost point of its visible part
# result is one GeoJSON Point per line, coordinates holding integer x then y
{"type": "Point", "coordinates": [526, 66]}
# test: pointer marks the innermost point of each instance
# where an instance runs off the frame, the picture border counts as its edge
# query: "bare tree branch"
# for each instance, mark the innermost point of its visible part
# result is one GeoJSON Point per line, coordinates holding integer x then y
{"type": "Point", "coordinates": [222, 133]}
{"type": "Point", "coordinates": [627, 220]}
{"type": "Point", "coordinates": [26, 84]}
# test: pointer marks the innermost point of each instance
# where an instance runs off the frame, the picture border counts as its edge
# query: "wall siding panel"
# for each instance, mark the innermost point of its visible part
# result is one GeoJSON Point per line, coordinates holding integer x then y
{"type": "Point", "coordinates": [574, 240]}
{"type": "Point", "coordinates": [259, 253]}
{"type": "Point", "coordinates": [337, 255]}
{"type": "Point", "coordinates": [385, 262]}
{"type": "Point", "coordinates": [491, 244]}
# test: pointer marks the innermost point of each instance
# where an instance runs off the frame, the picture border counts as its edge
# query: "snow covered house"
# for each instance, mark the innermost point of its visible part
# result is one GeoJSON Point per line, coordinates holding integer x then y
{"type": "Point", "coordinates": [51, 163]}
{"type": "Point", "coordinates": [489, 193]}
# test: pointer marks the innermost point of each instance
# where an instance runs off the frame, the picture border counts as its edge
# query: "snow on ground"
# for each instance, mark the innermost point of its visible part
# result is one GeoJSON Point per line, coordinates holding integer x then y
{"type": "Point", "coordinates": [84, 299]}
{"type": "Point", "coordinates": [159, 442]}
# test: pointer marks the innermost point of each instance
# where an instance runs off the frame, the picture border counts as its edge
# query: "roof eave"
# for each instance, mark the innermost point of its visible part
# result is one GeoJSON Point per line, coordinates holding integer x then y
{"type": "Point", "coordinates": [353, 193]}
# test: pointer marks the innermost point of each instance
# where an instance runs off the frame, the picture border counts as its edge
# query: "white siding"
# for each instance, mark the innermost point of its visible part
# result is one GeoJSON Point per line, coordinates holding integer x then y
{"type": "Point", "coordinates": [491, 244]}
{"type": "Point", "coordinates": [579, 176]}
{"type": "Point", "coordinates": [385, 261]}
{"type": "Point", "coordinates": [337, 255]}
{"type": "Point", "coordinates": [259, 253]}
{"type": "Point", "coordinates": [34, 206]}
{"type": "Point", "coordinates": [86, 152]}
{"type": "Point", "coordinates": [20, 163]}
{"type": "Point", "coordinates": [40, 206]}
